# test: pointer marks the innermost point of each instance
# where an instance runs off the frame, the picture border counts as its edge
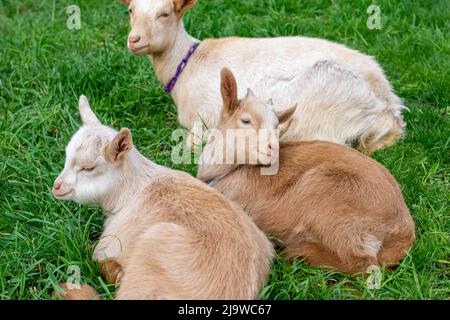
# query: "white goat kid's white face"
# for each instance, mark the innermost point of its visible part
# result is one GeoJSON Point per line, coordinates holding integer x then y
{"type": "Point", "coordinates": [87, 176]}
{"type": "Point", "coordinates": [154, 26]}
{"type": "Point", "coordinates": [92, 158]}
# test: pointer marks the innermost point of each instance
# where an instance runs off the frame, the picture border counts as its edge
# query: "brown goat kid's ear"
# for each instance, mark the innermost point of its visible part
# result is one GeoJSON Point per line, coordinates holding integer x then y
{"type": "Point", "coordinates": [228, 88]}
{"type": "Point", "coordinates": [119, 147]}
{"type": "Point", "coordinates": [182, 5]}
{"type": "Point", "coordinates": [285, 115]}
{"type": "Point", "coordinates": [127, 2]}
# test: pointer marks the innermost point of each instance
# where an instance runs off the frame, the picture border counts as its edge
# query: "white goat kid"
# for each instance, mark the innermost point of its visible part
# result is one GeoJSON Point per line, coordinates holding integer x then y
{"type": "Point", "coordinates": [167, 235]}
{"type": "Point", "coordinates": [342, 95]}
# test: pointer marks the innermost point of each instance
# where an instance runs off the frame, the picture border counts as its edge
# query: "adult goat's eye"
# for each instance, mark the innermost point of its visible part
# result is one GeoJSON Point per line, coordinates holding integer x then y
{"type": "Point", "coordinates": [246, 121]}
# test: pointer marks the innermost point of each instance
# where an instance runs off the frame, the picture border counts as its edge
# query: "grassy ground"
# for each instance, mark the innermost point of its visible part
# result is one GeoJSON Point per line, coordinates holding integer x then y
{"type": "Point", "coordinates": [44, 67]}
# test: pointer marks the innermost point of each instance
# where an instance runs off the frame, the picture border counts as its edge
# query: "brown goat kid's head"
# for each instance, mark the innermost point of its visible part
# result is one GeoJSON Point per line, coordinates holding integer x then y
{"type": "Point", "coordinates": [154, 24]}
{"type": "Point", "coordinates": [94, 159]}
{"type": "Point", "coordinates": [252, 118]}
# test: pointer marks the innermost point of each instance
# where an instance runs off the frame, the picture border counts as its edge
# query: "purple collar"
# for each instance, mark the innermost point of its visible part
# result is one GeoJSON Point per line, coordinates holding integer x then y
{"type": "Point", "coordinates": [180, 68]}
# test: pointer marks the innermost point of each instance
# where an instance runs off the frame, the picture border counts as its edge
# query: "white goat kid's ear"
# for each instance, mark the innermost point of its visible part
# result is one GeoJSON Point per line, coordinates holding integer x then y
{"type": "Point", "coordinates": [182, 5]}
{"type": "Point", "coordinates": [87, 115]}
{"type": "Point", "coordinates": [228, 88]}
{"type": "Point", "coordinates": [285, 115]}
{"type": "Point", "coordinates": [119, 146]}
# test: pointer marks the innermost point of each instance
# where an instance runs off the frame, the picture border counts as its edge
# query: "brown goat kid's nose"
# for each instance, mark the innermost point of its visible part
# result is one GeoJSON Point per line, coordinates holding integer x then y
{"type": "Point", "coordinates": [273, 148]}
{"type": "Point", "coordinates": [134, 39]}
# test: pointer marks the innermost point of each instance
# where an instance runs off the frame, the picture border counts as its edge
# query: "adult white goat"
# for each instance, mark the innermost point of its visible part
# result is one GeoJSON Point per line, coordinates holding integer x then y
{"type": "Point", "coordinates": [342, 95]}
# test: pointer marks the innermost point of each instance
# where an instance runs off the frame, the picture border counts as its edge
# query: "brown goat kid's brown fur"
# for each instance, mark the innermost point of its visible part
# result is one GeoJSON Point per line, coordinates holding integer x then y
{"type": "Point", "coordinates": [328, 203]}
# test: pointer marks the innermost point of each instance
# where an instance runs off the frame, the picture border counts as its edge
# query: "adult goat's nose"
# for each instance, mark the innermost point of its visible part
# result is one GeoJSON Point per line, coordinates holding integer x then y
{"type": "Point", "coordinates": [134, 39]}
{"type": "Point", "coordinates": [57, 185]}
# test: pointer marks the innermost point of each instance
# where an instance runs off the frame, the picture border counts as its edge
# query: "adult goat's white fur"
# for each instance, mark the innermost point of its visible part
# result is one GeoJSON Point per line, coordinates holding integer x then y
{"type": "Point", "coordinates": [342, 95]}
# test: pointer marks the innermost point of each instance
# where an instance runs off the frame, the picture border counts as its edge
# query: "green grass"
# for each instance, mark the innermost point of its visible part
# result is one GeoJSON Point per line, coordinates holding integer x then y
{"type": "Point", "coordinates": [44, 67]}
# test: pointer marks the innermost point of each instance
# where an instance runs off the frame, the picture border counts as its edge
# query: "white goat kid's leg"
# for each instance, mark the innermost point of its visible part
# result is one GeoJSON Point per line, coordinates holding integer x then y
{"type": "Point", "coordinates": [159, 265]}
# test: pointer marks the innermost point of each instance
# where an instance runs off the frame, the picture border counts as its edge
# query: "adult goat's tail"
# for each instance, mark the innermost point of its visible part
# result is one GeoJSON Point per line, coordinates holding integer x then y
{"type": "Point", "coordinates": [386, 131]}
{"type": "Point", "coordinates": [389, 126]}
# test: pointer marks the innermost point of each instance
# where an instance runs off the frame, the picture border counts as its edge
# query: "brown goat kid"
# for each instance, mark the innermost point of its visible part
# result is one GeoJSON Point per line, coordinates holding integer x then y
{"type": "Point", "coordinates": [327, 203]}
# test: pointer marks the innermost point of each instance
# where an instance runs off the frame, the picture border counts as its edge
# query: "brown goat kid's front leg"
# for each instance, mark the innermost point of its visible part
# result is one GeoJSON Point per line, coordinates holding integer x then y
{"type": "Point", "coordinates": [111, 271]}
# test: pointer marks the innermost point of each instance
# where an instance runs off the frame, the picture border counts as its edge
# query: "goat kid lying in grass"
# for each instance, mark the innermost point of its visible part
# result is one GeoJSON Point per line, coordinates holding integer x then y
{"type": "Point", "coordinates": [344, 95]}
{"type": "Point", "coordinates": [166, 235]}
{"type": "Point", "coordinates": [327, 202]}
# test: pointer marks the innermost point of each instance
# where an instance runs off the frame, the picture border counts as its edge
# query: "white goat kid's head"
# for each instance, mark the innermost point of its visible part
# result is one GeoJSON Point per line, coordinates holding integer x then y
{"type": "Point", "coordinates": [252, 118]}
{"type": "Point", "coordinates": [154, 24]}
{"type": "Point", "coordinates": [94, 157]}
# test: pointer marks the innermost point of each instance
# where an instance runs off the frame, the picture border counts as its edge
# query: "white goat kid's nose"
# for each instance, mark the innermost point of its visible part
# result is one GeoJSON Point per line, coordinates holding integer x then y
{"type": "Point", "coordinates": [57, 185]}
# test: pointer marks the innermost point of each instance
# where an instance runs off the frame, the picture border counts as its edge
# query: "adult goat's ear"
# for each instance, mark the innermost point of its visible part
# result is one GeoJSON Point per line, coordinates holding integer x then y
{"type": "Point", "coordinates": [182, 5]}
{"type": "Point", "coordinates": [87, 115]}
{"type": "Point", "coordinates": [119, 146]}
{"type": "Point", "coordinates": [285, 115]}
{"type": "Point", "coordinates": [228, 88]}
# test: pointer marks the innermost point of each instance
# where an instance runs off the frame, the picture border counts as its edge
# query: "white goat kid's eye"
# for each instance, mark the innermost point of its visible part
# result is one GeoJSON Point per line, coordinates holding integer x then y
{"type": "Point", "coordinates": [164, 15]}
{"type": "Point", "coordinates": [246, 121]}
{"type": "Point", "coordinates": [88, 169]}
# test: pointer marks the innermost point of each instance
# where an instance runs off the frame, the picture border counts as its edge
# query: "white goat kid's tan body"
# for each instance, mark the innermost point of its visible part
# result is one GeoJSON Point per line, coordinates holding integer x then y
{"type": "Point", "coordinates": [169, 235]}
{"type": "Point", "coordinates": [343, 95]}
